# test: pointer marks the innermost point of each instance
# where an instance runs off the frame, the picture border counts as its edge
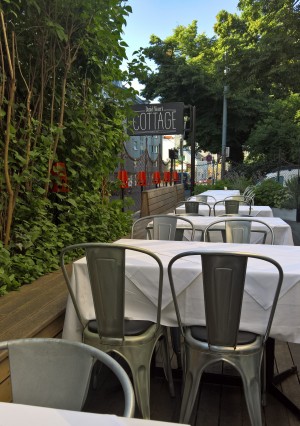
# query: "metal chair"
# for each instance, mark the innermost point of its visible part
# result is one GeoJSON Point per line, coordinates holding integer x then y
{"type": "Point", "coordinates": [231, 206]}
{"type": "Point", "coordinates": [238, 230]}
{"type": "Point", "coordinates": [202, 198]}
{"type": "Point", "coordinates": [243, 199]}
{"type": "Point", "coordinates": [133, 340]}
{"type": "Point", "coordinates": [192, 207]}
{"type": "Point", "coordinates": [249, 194]}
{"type": "Point", "coordinates": [224, 275]}
{"type": "Point", "coordinates": [162, 227]}
{"type": "Point", "coordinates": [56, 373]}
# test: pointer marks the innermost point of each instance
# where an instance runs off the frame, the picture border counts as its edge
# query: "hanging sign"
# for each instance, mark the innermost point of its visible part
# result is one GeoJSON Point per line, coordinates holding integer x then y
{"type": "Point", "coordinates": [157, 119]}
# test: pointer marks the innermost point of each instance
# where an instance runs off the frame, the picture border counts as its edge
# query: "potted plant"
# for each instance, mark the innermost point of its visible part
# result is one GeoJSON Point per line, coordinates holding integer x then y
{"type": "Point", "coordinates": [282, 199]}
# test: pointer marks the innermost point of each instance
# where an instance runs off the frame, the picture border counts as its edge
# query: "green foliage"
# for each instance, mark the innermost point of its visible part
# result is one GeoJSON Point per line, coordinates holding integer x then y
{"type": "Point", "coordinates": [293, 188]}
{"type": "Point", "coordinates": [74, 113]}
{"type": "Point", "coordinates": [260, 51]}
{"type": "Point", "coordinates": [270, 193]}
{"type": "Point", "coordinates": [237, 181]}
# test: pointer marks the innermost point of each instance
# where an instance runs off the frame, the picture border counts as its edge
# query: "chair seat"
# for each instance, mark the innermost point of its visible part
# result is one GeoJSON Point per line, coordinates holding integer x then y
{"type": "Point", "coordinates": [132, 327]}
{"type": "Point", "coordinates": [244, 337]}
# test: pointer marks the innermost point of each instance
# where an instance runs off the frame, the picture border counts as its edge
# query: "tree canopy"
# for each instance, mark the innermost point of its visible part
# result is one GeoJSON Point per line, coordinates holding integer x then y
{"type": "Point", "coordinates": [256, 54]}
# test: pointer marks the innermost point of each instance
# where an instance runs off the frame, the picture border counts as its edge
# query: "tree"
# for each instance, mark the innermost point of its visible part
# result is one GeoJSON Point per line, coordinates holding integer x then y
{"type": "Point", "coordinates": [259, 48]}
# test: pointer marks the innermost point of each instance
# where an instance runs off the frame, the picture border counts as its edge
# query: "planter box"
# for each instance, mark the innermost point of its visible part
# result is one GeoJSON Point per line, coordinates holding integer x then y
{"type": "Point", "coordinates": [285, 214]}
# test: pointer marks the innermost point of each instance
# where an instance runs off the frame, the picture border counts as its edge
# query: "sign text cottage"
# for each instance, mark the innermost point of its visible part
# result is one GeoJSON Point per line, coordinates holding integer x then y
{"type": "Point", "coordinates": [157, 119]}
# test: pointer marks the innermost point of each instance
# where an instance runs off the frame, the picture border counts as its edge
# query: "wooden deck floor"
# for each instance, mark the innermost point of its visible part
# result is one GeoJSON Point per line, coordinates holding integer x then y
{"type": "Point", "coordinates": [216, 404]}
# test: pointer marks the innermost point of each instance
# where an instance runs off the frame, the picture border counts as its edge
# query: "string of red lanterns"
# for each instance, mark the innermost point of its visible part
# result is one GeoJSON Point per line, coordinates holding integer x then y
{"type": "Point", "coordinates": [123, 178]}
{"type": "Point", "coordinates": [141, 178]}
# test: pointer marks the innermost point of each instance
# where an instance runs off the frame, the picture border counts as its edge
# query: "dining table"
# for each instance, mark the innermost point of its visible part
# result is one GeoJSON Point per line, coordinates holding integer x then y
{"type": "Point", "coordinates": [259, 211]}
{"type": "Point", "coordinates": [19, 414]}
{"type": "Point", "coordinates": [281, 229]}
{"type": "Point", "coordinates": [220, 194]}
{"type": "Point", "coordinates": [141, 288]}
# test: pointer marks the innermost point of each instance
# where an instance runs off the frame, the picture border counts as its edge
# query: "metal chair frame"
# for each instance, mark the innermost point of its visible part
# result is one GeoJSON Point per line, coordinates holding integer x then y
{"type": "Point", "coordinates": [231, 205]}
{"type": "Point", "coordinates": [238, 230]}
{"type": "Point", "coordinates": [163, 227]}
{"type": "Point", "coordinates": [224, 275]}
{"type": "Point", "coordinates": [56, 373]}
{"type": "Point", "coordinates": [202, 198]}
{"type": "Point", "coordinates": [192, 207]}
{"type": "Point", "coordinates": [133, 340]}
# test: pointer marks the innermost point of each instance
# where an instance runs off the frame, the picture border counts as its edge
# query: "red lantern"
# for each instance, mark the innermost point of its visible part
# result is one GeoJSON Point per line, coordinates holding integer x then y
{"type": "Point", "coordinates": [167, 177]}
{"type": "Point", "coordinates": [156, 178]}
{"type": "Point", "coordinates": [60, 180]}
{"type": "Point", "coordinates": [123, 177]}
{"type": "Point", "coordinates": [141, 179]}
{"type": "Point", "coordinates": [175, 176]}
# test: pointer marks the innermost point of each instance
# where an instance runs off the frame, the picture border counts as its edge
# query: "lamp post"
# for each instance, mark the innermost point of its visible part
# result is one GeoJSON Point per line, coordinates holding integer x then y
{"type": "Point", "coordinates": [224, 125]}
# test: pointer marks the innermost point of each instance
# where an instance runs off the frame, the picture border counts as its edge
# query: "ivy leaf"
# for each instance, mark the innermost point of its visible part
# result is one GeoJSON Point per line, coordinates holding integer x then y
{"type": "Point", "coordinates": [72, 202]}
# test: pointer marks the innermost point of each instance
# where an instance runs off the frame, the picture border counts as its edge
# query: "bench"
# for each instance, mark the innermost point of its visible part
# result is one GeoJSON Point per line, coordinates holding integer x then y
{"type": "Point", "coordinates": [161, 200]}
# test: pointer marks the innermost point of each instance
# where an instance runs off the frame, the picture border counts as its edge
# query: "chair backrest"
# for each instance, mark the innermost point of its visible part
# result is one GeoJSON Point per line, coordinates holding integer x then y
{"type": "Point", "coordinates": [238, 229]}
{"type": "Point", "coordinates": [106, 268]}
{"type": "Point", "coordinates": [191, 206]}
{"type": "Point", "coordinates": [224, 276]}
{"type": "Point", "coordinates": [202, 198]}
{"type": "Point", "coordinates": [163, 227]}
{"type": "Point", "coordinates": [231, 206]}
{"type": "Point", "coordinates": [242, 201]}
{"type": "Point", "coordinates": [56, 373]}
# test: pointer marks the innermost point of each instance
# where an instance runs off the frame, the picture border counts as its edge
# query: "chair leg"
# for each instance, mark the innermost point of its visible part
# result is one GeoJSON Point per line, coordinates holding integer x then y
{"type": "Point", "coordinates": [167, 363]}
{"type": "Point", "coordinates": [249, 368]}
{"type": "Point", "coordinates": [176, 345]}
{"type": "Point", "coordinates": [141, 381]}
{"type": "Point", "coordinates": [139, 360]}
{"type": "Point", "coordinates": [195, 365]}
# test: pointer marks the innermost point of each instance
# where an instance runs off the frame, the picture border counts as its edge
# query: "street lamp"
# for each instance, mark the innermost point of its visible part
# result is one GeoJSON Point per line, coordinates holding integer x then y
{"type": "Point", "coordinates": [224, 125]}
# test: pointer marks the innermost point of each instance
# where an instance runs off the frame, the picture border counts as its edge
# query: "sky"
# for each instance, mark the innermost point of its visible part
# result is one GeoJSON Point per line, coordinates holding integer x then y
{"type": "Point", "coordinates": [161, 17]}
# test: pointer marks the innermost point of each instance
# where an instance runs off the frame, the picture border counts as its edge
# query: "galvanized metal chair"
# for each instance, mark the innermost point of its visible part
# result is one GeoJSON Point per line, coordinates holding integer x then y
{"type": "Point", "coordinates": [231, 206]}
{"type": "Point", "coordinates": [223, 278]}
{"type": "Point", "coordinates": [192, 208]}
{"type": "Point", "coordinates": [56, 373]}
{"type": "Point", "coordinates": [162, 227]}
{"type": "Point", "coordinates": [134, 340]}
{"type": "Point", "coordinates": [238, 230]}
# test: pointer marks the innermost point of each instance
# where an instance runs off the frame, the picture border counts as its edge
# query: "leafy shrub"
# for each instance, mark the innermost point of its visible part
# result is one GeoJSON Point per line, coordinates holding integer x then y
{"type": "Point", "coordinates": [293, 189]}
{"type": "Point", "coordinates": [270, 193]}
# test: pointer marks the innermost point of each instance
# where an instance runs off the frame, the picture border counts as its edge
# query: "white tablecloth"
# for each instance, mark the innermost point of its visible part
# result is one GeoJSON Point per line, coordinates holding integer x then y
{"type": "Point", "coordinates": [141, 288]}
{"type": "Point", "coordinates": [259, 211]}
{"type": "Point", "coordinates": [282, 230]}
{"type": "Point", "coordinates": [28, 415]}
{"type": "Point", "coordinates": [220, 194]}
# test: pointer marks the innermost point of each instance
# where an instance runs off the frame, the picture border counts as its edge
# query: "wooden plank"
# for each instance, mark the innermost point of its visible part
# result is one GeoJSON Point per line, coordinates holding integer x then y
{"type": "Point", "coordinates": [161, 200]}
{"type": "Point", "coordinates": [4, 369]}
{"type": "Point", "coordinates": [290, 386]}
{"type": "Point", "coordinates": [5, 391]}
{"type": "Point", "coordinates": [275, 413]}
{"type": "Point", "coordinates": [207, 412]}
{"type": "Point", "coordinates": [230, 407]}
